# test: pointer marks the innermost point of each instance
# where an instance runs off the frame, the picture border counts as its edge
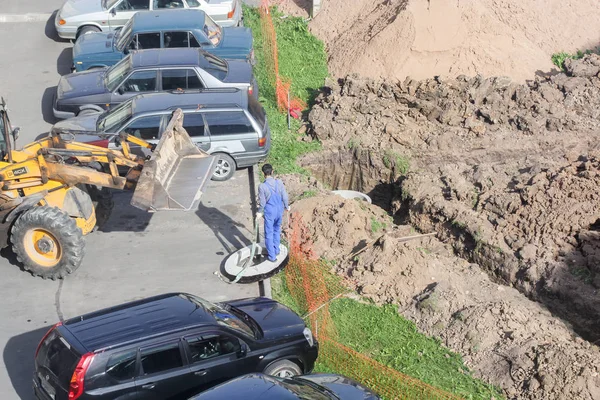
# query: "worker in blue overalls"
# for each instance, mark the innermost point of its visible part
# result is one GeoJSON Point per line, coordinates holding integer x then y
{"type": "Point", "coordinates": [272, 199]}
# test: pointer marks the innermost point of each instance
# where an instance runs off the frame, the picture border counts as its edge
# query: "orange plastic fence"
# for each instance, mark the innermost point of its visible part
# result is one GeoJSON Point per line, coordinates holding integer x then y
{"type": "Point", "coordinates": [285, 101]}
{"type": "Point", "coordinates": [313, 289]}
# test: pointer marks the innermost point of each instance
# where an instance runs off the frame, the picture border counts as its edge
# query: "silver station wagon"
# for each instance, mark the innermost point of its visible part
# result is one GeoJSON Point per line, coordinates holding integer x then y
{"type": "Point", "coordinates": [78, 17]}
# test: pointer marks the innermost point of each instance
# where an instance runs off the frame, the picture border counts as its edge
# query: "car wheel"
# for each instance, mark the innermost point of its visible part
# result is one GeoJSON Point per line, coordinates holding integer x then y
{"type": "Point", "coordinates": [88, 29]}
{"type": "Point", "coordinates": [283, 369]}
{"type": "Point", "coordinates": [225, 167]}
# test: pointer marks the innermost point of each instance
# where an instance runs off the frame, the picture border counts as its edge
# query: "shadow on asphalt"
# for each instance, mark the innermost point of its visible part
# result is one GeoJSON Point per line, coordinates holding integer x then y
{"type": "Point", "coordinates": [50, 30]}
{"type": "Point", "coordinates": [225, 229]}
{"type": "Point", "coordinates": [125, 217]}
{"type": "Point", "coordinates": [18, 356]}
{"type": "Point", "coordinates": [64, 62]}
{"type": "Point", "coordinates": [47, 99]}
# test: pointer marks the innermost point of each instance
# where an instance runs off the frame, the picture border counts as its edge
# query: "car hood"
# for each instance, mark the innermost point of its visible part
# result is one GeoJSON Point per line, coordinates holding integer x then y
{"type": "Point", "coordinates": [344, 388]}
{"type": "Point", "coordinates": [86, 124]}
{"type": "Point", "coordinates": [93, 43]}
{"type": "Point", "coordinates": [275, 320]}
{"type": "Point", "coordinates": [238, 72]}
{"type": "Point", "coordinates": [81, 84]}
{"type": "Point", "coordinates": [239, 39]}
{"type": "Point", "coordinates": [72, 8]}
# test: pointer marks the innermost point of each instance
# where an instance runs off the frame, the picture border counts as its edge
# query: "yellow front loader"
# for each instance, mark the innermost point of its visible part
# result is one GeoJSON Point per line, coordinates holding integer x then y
{"type": "Point", "coordinates": [56, 191]}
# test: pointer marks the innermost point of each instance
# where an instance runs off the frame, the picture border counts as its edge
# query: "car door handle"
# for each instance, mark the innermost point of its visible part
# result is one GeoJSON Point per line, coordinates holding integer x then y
{"type": "Point", "coordinates": [202, 372]}
{"type": "Point", "coordinates": [149, 386]}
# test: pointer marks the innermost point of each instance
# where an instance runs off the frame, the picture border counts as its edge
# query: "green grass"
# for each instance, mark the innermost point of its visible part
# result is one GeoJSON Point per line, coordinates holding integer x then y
{"type": "Point", "coordinates": [558, 59]}
{"type": "Point", "coordinates": [385, 336]}
{"type": "Point", "coordinates": [377, 225]}
{"type": "Point", "coordinates": [302, 59]}
{"type": "Point", "coordinates": [393, 159]}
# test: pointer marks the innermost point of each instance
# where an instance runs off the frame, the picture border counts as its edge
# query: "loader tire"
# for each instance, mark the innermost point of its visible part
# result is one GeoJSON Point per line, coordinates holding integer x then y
{"type": "Point", "coordinates": [48, 242]}
{"type": "Point", "coordinates": [102, 198]}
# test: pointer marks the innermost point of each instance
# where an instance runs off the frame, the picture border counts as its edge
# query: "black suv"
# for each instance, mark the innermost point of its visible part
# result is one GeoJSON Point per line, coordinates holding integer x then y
{"type": "Point", "coordinates": [169, 347]}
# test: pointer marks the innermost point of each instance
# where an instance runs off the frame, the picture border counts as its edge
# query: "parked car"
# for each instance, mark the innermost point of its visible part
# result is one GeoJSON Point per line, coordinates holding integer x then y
{"type": "Point", "coordinates": [305, 387]}
{"type": "Point", "coordinates": [147, 71]}
{"type": "Point", "coordinates": [162, 29]}
{"type": "Point", "coordinates": [227, 123]}
{"type": "Point", "coordinates": [80, 17]}
{"type": "Point", "coordinates": [169, 346]}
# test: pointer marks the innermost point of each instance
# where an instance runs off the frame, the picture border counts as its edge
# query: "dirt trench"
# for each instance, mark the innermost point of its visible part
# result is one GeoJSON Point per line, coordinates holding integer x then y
{"type": "Point", "coordinates": [507, 175]}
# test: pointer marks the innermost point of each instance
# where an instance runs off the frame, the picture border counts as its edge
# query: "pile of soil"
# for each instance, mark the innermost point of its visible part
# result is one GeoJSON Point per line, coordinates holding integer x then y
{"type": "Point", "coordinates": [506, 338]}
{"type": "Point", "coordinates": [399, 38]}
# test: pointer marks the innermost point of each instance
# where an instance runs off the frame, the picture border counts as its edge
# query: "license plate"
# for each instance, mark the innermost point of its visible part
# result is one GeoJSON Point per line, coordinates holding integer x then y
{"type": "Point", "coordinates": [47, 388]}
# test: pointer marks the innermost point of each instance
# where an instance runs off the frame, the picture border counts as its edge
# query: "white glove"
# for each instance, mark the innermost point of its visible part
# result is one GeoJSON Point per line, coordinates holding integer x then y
{"type": "Point", "coordinates": [259, 215]}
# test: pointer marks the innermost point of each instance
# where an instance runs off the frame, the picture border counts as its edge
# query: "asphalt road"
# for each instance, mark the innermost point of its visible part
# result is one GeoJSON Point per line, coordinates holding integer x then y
{"type": "Point", "coordinates": [137, 254]}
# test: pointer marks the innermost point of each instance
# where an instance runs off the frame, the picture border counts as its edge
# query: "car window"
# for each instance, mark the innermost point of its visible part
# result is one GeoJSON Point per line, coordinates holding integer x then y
{"type": "Point", "coordinates": [168, 4]}
{"type": "Point", "coordinates": [193, 41]}
{"type": "Point", "coordinates": [173, 79]}
{"type": "Point", "coordinates": [217, 66]}
{"type": "Point", "coordinates": [139, 81]}
{"type": "Point", "coordinates": [147, 128]}
{"type": "Point", "coordinates": [124, 36]}
{"type": "Point", "coordinates": [207, 347]}
{"type": "Point", "coordinates": [162, 358]}
{"type": "Point", "coordinates": [112, 120]}
{"type": "Point", "coordinates": [115, 74]}
{"type": "Point", "coordinates": [128, 5]}
{"type": "Point", "coordinates": [193, 123]}
{"type": "Point", "coordinates": [228, 123]}
{"type": "Point", "coordinates": [56, 355]}
{"type": "Point", "coordinates": [212, 30]}
{"type": "Point", "coordinates": [122, 366]}
{"type": "Point", "coordinates": [148, 40]}
{"type": "Point", "coordinates": [257, 111]}
{"type": "Point", "coordinates": [176, 39]}
{"type": "Point", "coordinates": [193, 3]}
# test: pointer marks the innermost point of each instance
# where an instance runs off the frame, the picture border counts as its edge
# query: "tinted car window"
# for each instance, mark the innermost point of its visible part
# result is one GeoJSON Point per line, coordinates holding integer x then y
{"type": "Point", "coordinates": [146, 128]}
{"type": "Point", "coordinates": [168, 3]}
{"type": "Point", "coordinates": [161, 358]}
{"type": "Point", "coordinates": [193, 41]}
{"type": "Point", "coordinates": [140, 81]}
{"type": "Point", "coordinates": [257, 111]}
{"type": "Point", "coordinates": [148, 41]}
{"type": "Point", "coordinates": [56, 355]}
{"type": "Point", "coordinates": [194, 124]}
{"type": "Point", "coordinates": [218, 67]}
{"type": "Point", "coordinates": [177, 39]}
{"type": "Point", "coordinates": [122, 366]}
{"type": "Point", "coordinates": [173, 79]}
{"type": "Point", "coordinates": [212, 346]}
{"type": "Point", "coordinates": [228, 123]}
{"type": "Point", "coordinates": [127, 5]}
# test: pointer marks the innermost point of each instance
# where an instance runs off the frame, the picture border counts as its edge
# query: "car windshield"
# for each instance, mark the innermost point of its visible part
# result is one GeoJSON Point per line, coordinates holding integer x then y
{"type": "Point", "coordinates": [106, 4]}
{"type": "Point", "coordinates": [212, 30]}
{"type": "Point", "coordinates": [111, 121]}
{"type": "Point", "coordinates": [306, 390]}
{"type": "Point", "coordinates": [225, 317]}
{"type": "Point", "coordinates": [217, 67]}
{"type": "Point", "coordinates": [115, 74]}
{"type": "Point", "coordinates": [123, 36]}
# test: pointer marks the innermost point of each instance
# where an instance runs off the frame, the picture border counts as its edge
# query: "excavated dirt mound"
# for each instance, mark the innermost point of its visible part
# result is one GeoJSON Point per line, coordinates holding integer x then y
{"type": "Point", "coordinates": [507, 339]}
{"type": "Point", "coordinates": [419, 38]}
{"type": "Point", "coordinates": [506, 172]}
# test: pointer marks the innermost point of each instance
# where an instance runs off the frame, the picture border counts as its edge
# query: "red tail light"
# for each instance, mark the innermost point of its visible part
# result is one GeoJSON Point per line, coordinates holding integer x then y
{"type": "Point", "coordinates": [99, 143]}
{"type": "Point", "coordinates": [251, 90]}
{"type": "Point", "coordinates": [76, 386]}
{"type": "Point", "coordinates": [230, 13]}
{"type": "Point", "coordinates": [45, 336]}
{"type": "Point", "coordinates": [262, 142]}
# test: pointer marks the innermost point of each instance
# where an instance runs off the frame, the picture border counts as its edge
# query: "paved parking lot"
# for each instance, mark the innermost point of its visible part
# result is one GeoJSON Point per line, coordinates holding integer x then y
{"type": "Point", "coordinates": [137, 254]}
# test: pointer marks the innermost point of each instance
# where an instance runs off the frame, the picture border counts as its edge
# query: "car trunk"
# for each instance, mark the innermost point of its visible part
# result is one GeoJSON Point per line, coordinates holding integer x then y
{"type": "Point", "coordinates": [55, 363]}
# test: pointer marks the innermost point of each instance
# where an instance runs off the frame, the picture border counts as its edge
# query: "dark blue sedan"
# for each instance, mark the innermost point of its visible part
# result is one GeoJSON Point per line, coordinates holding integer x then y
{"type": "Point", "coordinates": [305, 387]}
{"type": "Point", "coordinates": [162, 29]}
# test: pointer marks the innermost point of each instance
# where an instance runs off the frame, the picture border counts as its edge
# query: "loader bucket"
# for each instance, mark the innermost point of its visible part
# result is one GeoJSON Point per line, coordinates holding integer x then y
{"type": "Point", "coordinates": [176, 173]}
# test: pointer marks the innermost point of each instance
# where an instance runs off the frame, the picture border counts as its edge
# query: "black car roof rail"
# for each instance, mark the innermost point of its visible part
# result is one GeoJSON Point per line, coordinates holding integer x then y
{"type": "Point", "coordinates": [204, 107]}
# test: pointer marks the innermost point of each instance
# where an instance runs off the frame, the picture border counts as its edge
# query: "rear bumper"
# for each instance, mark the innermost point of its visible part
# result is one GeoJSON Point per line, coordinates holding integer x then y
{"type": "Point", "coordinates": [39, 393]}
{"type": "Point", "coordinates": [243, 160]}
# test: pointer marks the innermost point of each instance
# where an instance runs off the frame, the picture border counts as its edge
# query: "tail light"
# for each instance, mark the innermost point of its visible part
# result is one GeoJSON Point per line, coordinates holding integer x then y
{"type": "Point", "coordinates": [45, 336]}
{"type": "Point", "coordinates": [230, 13]}
{"type": "Point", "coordinates": [262, 141]}
{"type": "Point", "coordinates": [99, 143]}
{"type": "Point", "coordinates": [251, 90]}
{"type": "Point", "coordinates": [76, 385]}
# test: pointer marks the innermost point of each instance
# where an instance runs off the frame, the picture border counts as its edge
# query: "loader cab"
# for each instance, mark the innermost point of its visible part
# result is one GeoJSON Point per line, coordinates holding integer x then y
{"type": "Point", "coordinates": [7, 132]}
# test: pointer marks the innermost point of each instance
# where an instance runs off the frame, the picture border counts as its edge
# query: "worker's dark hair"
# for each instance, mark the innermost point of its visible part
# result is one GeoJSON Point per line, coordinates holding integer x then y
{"type": "Point", "coordinates": [267, 169]}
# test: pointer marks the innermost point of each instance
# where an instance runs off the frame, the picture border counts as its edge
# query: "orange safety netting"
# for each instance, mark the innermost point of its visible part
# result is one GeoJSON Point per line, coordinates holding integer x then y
{"type": "Point", "coordinates": [314, 288]}
{"type": "Point", "coordinates": [285, 101]}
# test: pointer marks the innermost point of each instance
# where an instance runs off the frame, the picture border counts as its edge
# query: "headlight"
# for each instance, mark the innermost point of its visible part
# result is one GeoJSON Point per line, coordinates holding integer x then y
{"type": "Point", "coordinates": [309, 337]}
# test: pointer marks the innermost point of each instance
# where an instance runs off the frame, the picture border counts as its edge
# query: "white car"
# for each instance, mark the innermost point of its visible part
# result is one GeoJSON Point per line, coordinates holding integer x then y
{"type": "Point", "coordinates": [78, 17]}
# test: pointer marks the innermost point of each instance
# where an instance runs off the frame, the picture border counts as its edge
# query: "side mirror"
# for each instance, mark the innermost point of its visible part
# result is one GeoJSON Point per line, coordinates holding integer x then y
{"type": "Point", "coordinates": [15, 133]}
{"type": "Point", "coordinates": [113, 11]}
{"type": "Point", "coordinates": [120, 90]}
{"type": "Point", "coordinates": [243, 350]}
{"type": "Point", "coordinates": [117, 141]}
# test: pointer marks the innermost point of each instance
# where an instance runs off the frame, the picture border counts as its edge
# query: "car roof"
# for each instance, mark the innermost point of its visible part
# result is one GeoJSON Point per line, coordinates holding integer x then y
{"type": "Point", "coordinates": [254, 386]}
{"type": "Point", "coordinates": [162, 101]}
{"type": "Point", "coordinates": [168, 57]}
{"type": "Point", "coordinates": [167, 19]}
{"type": "Point", "coordinates": [136, 320]}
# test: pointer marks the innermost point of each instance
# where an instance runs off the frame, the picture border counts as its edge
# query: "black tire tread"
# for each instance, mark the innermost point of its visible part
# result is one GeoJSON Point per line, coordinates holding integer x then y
{"type": "Point", "coordinates": [63, 227]}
